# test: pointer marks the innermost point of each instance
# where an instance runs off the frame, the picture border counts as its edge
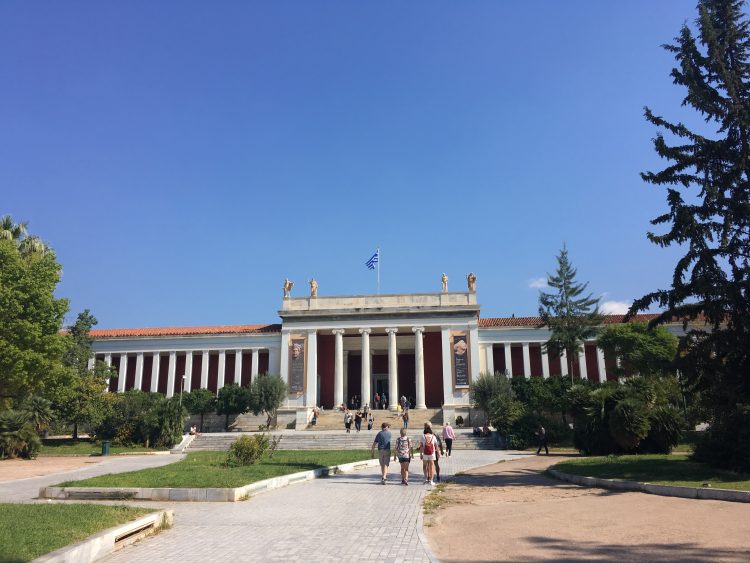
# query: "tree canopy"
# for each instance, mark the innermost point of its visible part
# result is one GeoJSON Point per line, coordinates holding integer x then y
{"type": "Point", "coordinates": [707, 182]}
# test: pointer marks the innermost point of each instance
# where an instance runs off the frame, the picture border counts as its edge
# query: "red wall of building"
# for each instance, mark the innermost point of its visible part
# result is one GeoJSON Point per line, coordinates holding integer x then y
{"type": "Point", "coordinates": [213, 372]}
{"type": "Point", "coordinates": [535, 355]}
{"type": "Point", "coordinates": [179, 372]}
{"type": "Point", "coordinates": [195, 380]}
{"type": "Point", "coordinates": [263, 363]}
{"type": "Point", "coordinates": [516, 358]}
{"type": "Point", "coordinates": [591, 366]}
{"type": "Point", "coordinates": [610, 364]}
{"type": "Point", "coordinates": [247, 366]}
{"type": "Point", "coordinates": [433, 369]}
{"type": "Point", "coordinates": [229, 368]}
{"type": "Point", "coordinates": [554, 364]}
{"type": "Point", "coordinates": [353, 377]}
{"type": "Point", "coordinates": [326, 361]}
{"type": "Point", "coordinates": [148, 364]}
{"type": "Point", "coordinates": [163, 373]}
{"type": "Point", "coordinates": [498, 358]}
{"type": "Point", "coordinates": [406, 376]}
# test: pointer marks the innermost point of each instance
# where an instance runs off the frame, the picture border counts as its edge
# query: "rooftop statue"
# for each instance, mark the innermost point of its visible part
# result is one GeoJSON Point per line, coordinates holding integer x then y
{"type": "Point", "coordinates": [288, 285]}
{"type": "Point", "coordinates": [313, 288]}
{"type": "Point", "coordinates": [444, 279]}
{"type": "Point", "coordinates": [471, 281]}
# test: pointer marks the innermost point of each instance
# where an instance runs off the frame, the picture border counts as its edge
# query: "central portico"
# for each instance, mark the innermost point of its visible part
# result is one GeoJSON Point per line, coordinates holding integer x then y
{"type": "Point", "coordinates": [421, 345]}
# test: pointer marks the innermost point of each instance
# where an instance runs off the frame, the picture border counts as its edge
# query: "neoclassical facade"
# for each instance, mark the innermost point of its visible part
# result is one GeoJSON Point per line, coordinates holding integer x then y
{"type": "Point", "coordinates": [426, 346]}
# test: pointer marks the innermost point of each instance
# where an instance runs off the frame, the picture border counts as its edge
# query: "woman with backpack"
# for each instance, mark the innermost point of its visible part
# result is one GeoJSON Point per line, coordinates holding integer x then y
{"type": "Point", "coordinates": [404, 455]}
{"type": "Point", "coordinates": [428, 454]}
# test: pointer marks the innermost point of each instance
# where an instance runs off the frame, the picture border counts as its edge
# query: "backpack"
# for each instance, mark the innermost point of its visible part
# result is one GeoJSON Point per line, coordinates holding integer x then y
{"type": "Point", "coordinates": [429, 446]}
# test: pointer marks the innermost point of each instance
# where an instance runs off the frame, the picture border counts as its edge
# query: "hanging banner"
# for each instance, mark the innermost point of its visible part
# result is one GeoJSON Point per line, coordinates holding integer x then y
{"type": "Point", "coordinates": [297, 364]}
{"type": "Point", "coordinates": [460, 359]}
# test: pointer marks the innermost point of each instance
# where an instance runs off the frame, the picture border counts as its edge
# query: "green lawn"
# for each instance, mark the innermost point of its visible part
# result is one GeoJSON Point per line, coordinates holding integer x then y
{"type": "Point", "coordinates": [660, 469]}
{"type": "Point", "coordinates": [56, 447]}
{"type": "Point", "coordinates": [206, 470]}
{"type": "Point", "coordinates": [30, 530]}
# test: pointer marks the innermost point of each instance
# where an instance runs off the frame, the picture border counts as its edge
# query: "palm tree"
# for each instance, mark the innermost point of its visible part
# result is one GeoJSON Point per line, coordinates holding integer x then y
{"type": "Point", "coordinates": [12, 231]}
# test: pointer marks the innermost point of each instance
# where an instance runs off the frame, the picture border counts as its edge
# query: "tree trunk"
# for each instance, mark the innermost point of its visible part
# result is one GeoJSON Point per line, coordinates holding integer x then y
{"type": "Point", "coordinates": [75, 431]}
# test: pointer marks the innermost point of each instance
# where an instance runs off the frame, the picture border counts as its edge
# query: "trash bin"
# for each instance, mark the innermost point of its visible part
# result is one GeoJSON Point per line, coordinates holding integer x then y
{"type": "Point", "coordinates": [105, 447]}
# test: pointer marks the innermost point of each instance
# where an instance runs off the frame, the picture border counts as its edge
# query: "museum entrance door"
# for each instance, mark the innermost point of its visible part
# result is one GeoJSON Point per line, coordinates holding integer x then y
{"type": "Point", "coordinates": [380, 386]}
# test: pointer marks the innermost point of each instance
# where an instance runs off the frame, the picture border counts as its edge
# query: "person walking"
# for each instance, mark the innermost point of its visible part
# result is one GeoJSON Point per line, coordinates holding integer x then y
{"type": "Point", "coordinates": [348, 421]}
{"type": "Point", "coordinates": [438, 449]}
{"type": "Point", "coordinates": [404, 455]}
{"type": "Point", "coordinates": [377, 400]}
{"type": "Point", "coordinates": [541, 435]}
{"type": "Point", "coordinates": [405, 417]}
{"type": "Point", "coordinates": [427, 448]}
{"type": "Point", "coordinates": [383, 401]}
{"type": "Point", "coordinates": [370, 421]}
{"type": "Point", "coordinates": [448, 436]}
{"type": "Point", "coordinates": [383, 442]}
{"type": "Point", "coordinates": [358, 421]}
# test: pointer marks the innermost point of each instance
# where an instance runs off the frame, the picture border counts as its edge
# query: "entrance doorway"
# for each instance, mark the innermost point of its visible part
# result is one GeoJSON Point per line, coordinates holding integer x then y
{"type": "Point", "coordinates": [379, 386]}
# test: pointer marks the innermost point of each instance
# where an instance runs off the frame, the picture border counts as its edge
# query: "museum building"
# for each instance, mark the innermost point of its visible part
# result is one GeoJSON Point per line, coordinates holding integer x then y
{"type": "Point", "coordinates": [425, 346]}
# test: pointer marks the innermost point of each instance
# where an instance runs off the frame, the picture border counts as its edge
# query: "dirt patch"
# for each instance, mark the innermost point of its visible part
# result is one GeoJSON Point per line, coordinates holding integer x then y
{"type": "Point", "coordinates": [11, 469]}
{"type": "Point", "coordinates": [512, 511]}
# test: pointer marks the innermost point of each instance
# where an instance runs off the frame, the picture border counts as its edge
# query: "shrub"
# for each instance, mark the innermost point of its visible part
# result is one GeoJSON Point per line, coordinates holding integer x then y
{"type": "Point", "coordinates": [248, 450]}
{"type": "Point", "coordinates": [18, 437]}
{"type": "Point", "coordinates": [267, 393]}
{"type": "Point", "coordinates": [629, 423]}
{"type": "Point", "coordinates": [726, 443]}
{"type": "Point", "coordinates": [494, 395]}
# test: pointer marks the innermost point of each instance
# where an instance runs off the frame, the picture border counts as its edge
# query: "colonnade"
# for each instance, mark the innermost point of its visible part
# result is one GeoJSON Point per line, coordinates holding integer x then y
{"type": "Point", "coordinates": [582, 368]}
{"type": "Point", "coordinates": [187, 377]}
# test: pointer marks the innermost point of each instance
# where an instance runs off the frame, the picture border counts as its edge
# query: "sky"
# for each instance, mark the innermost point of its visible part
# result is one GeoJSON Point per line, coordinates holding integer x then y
{"type": "Point", "coordinates": [183, 158]}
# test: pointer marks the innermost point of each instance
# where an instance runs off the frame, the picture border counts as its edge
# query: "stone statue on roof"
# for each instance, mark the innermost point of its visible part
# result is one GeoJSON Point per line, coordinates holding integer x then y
{"type": "Point", "coordinates": [471, 281]}
{"type": "Point", "coordinates": [444, 279]}
{"type": "Point", "coordinates": [313, 288]}
{"type": "Point", "coordinates": [288, 285]}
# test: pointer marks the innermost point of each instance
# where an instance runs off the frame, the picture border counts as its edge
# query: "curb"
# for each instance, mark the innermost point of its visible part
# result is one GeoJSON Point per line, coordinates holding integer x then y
{"type": "Point", "coordinates": [199, 494]}
{"type": "Point", "coordinates": [662, 490]}
{"type": "Point", "coordinates": [99, 545]}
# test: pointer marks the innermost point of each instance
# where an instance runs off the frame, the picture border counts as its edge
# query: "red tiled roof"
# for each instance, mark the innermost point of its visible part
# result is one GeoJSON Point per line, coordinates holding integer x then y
{"type": "Point", "coordinates": [184, 330]}
{"type": "Point", "coordinates": [537, 321]}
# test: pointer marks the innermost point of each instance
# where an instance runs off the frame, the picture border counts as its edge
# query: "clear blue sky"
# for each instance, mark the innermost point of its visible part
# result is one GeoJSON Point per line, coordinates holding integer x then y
{"type": "Point", "coordinates": [184, 157]}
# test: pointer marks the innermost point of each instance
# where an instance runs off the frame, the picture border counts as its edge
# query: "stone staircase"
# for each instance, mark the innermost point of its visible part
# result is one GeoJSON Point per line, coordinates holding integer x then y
{"type": "Point", "coordinates": [332, 440]}
{"type": "Point", "coordinates": [334, 419]}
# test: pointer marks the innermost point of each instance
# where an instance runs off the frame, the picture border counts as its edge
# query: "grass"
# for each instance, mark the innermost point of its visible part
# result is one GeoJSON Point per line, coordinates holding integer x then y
{"type": "Point", "coordinates": [207, 470]}
{"type": "Point", "coordinates": [434, 499]}
{"type": "Point", "coordinates": [28, 531]}
{"type": "Point", "coordinates": [659, 469]}
{"type": "Point", "coordinates": [68, 446]}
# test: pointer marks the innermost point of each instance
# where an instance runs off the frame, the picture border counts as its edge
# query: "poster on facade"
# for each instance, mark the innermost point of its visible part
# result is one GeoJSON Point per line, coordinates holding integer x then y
{"type": "Point", "coordinates": [297, 365]}
{"type": "Point", "coordinates": [460, 350]}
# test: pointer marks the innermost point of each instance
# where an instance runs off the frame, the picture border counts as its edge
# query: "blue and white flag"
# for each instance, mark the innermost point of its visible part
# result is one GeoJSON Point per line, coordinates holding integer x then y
{"type": "Point", "coordinates": [373, 260]}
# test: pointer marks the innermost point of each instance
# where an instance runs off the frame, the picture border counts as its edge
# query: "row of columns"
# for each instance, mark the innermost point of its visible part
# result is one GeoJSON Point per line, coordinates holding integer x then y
{"type": "Point", "coordinates": [188, 375]}
{"type": "Point", "coordinates": [338, 377]}
{"type": "Point", "coordinates": [582, 368]}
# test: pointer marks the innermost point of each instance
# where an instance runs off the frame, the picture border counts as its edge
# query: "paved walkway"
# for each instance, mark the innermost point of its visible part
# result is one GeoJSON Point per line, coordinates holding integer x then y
{"type": "Point", "coordinates": [347, 517]}
{"type": "Point", "coordinates": [26, 490]}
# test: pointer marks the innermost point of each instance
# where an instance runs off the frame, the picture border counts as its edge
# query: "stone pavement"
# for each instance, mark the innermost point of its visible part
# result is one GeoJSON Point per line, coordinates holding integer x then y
{"type": "Point", "coordinates": [26, 490]}
{"type": "Point", "coordinates": [347, 517]}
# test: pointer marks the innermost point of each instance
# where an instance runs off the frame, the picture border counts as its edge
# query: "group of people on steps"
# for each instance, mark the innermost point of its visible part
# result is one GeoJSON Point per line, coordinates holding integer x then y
{"type": "Point", "coordinates": [431, 448]}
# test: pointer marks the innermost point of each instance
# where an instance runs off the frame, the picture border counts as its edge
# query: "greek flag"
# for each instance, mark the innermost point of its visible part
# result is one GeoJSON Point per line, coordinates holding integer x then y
{"type": "Point", "coordinates": [373, 260]}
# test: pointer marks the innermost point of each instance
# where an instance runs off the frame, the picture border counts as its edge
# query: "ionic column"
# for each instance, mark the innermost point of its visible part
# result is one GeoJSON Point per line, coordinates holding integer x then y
{"type": "Point", "coordinates": [91, 362]}
{"type": "Point", "coordinates": [155, 372]}
{"type": "Point", "coordinates": [338, 368]}
{"type": "Point", "coordinates": [564, 363]}
{"type": "Point", "coordinates": [204, 369]}
{"type": "Point", "coordinates": [392, 369]}
{"type": "Point", "coordinates": [312, 368]}
{"type": "Point", "coordinates": [274, 360]}
{"type": "Point", "coordinates": [545, 363]}
{"type": "Point", "coordinates": [508, 359]}
{"type": "Point", "coordinates": [365, 332]}
{"type": "Point", "coordinates": [346, 376]}
{"type": "Point", "coordinates": [284, 359]}
{"type": "Point", "coordinates": [138, 371]}
{"type": "Point", "coordinates": [255, 365]}
{"type": "Point", "coordinates": [108, 361]}
{"type": "Point", "coordinates": [171, 370]}
{"type": "Point", "coordinates": [601, 366]}
{"type": "Point", "coordinates": [419, 360]}
{"type": "Point", "coordinates": [238, 367]}
{"type": "Point", "coordinates": [582, 363]}
{"type": "Point", "coordinates": [526, 361]}
{"type": "Point", "coordinates": [188, 372]}
{"type": "Point", "coordinates": [122, 374]}
{"type": "Point", "coordinates": [490, 359]}
{"type": "Point", "coordinates": [222, 368]}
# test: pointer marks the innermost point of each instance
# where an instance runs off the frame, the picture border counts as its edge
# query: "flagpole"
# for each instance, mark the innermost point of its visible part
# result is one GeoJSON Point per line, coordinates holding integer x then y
{"type": "Point", "coordinates": [378, 270]}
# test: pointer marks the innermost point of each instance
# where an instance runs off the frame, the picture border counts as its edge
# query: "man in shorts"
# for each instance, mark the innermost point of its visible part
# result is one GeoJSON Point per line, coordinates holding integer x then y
{"type": "Point", "coordinates": [383, 442]}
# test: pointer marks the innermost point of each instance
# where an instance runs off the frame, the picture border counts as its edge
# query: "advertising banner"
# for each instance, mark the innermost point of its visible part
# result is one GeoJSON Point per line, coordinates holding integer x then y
{"type": "Point", "coordinates": [297, 357]}
{"type": "Point", "coordinates": [460, 355]}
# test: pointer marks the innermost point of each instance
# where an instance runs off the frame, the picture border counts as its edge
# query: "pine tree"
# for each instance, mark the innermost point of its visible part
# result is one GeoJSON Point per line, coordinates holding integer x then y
{"type": "Point", "coordinates": [571, 317]}
{"type": "Point", "coordinates": [708, 195]}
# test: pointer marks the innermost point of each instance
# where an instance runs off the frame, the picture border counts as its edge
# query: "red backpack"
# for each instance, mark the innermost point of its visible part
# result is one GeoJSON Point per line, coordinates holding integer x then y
{"type": "Point", "coordinates": [429, 445]}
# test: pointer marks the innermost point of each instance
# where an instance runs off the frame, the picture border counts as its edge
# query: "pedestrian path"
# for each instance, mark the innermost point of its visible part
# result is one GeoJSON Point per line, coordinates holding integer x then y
{"type": "Point", "coordinates": [26, 490]}
{"type": "Point", "coordinates": [343, 518]}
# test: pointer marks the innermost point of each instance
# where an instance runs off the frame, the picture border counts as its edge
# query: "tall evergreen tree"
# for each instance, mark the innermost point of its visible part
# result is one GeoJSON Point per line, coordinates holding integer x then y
{"type": "Point", "coordinates": [708, 195]}
{"type": "Point", "coordinates": [570, 316]}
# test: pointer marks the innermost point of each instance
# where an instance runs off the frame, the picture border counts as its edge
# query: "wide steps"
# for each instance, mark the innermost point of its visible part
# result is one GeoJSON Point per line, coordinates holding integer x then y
{"type": "Point", "coordinates": [334, 419]}
{"type": "Point", "coordinates": [330, 440]}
